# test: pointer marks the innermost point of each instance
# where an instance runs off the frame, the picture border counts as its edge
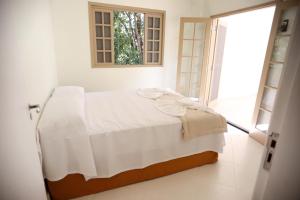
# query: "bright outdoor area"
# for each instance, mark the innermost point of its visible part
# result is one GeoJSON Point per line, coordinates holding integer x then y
{"type": "Point", "coordinates": [239, 56]}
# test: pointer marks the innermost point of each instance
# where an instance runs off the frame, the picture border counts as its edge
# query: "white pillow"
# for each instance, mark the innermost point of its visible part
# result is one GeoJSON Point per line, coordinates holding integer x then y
{"type": "Point", "coordinates": [68, 91]}
{"type": "Point", "coordinates": [64, 113]}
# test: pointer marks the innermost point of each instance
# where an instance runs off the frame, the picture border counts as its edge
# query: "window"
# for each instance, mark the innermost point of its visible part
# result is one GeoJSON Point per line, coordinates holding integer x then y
{"type": "Point", "coordinates": [125, 36]}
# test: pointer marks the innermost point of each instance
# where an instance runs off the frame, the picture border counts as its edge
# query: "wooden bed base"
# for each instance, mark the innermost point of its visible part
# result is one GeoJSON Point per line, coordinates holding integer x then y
{"type": "Point", "coordinates": [74, 185]}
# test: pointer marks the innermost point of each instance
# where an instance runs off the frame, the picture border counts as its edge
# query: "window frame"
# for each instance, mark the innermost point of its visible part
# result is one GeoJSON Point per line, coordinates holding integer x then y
{"type": "Point", "coordinates": [92, 6]}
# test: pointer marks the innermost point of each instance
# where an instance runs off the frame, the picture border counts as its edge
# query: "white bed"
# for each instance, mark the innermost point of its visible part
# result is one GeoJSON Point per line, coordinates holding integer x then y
{"type": "Point", "coordinates": [101, 134]}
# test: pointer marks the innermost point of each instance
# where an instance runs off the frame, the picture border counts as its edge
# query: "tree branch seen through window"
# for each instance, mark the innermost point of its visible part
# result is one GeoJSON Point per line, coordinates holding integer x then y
{"type": "Point", "coordinates": [129, 37]}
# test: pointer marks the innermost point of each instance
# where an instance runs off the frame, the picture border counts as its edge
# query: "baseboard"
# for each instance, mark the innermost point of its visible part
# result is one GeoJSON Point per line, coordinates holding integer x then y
{"type": "Point", "coordinates": [259, 137]}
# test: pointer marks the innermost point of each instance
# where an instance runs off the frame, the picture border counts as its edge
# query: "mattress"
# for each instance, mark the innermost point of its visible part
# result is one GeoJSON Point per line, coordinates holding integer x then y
{"type": "Point", "coordinates": [122, 131]}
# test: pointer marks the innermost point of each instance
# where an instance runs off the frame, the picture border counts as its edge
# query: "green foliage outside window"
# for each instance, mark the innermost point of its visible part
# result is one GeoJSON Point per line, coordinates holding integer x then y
{"type": "Point", "coordinates": [129, 38]}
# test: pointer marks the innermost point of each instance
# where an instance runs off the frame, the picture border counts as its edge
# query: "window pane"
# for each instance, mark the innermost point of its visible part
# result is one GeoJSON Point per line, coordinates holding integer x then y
{"type": "Point", "coordinates": [108, 57]}
{"type": "Point", "coordinates": [268, 99]}
{"type": "Point", "coordinates": [149, 57]}
{"type": "Point", "coordinates": [107, 44]}
{"type": "Point", "coordinates": [157, 23]}
{"type": "Point", "coordinates": [274, 75]}
{"type": "Point", "coordinates": [99, 31]}
{"type": "Point", "coordinates": [194, 91]}
{"type": "Point", "coordinates": [107, 31]}
{"type": "Point", "coordinates": [280, 47]}
{"type": "Point", "coordinates": [186, 64]}
{"type": "Point", "coordinates": [184, 83]}
{"type": "Point", "coordinates": [198, 48]}
{"type": "Point", "coordinates": [98, 17]}
{"type": "Point", "coordinates": [156, 46]}
{"type": "Point", "coordinates": [199, 31]}
{"type": "Point", "coordinates": [156, 57]}
{"type": "Point", "coordinates": [156, 35]}
{"type": "Point", "coordinates": [150, 22]}
{"type": "Point", "coordinates": [129, 45]}
{"type": "Point", "coordinates": [150, 34]}
{"type": "Point", "coordinates": [106, 18]}
{"type": "Point", "coordinates": [195, 78]}
{"type": "Point", "coordinates": [188, 30]}
{"type": "Point", "coordinates": [150, 46]}
{"type": "Point", "coordinates": [100, 58]}
{"type": "Point", "coordinates": [187, 47]}
{"type": "Point", "coordinates": [99, 44]}
{"type": "Point", "coordinates": [263, 121]}
{"type": "Point", "coordinates": [197, 64]}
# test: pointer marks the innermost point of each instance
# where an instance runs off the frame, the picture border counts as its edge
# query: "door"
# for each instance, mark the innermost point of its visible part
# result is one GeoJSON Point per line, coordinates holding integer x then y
{"type": "Point", "coordinates": [275, 60]}
{"type": "Point", "coordinates": [25, 33]}
{"type": "Point", "coordinates": [281, 179]}
{"type": "Point", "coordinates": [193, 57]}
{"type": "Point", "coordinates": [21, 174]}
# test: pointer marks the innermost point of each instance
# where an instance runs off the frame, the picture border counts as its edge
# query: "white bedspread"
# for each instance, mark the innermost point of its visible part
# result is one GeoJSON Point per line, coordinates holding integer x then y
{"type": "Point", "coordinates": [125, 131]}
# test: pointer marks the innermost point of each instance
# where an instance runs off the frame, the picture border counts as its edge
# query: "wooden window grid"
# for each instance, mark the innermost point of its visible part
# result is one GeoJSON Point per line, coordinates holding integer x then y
{"type": "Point", "coordinates": [102, 35]}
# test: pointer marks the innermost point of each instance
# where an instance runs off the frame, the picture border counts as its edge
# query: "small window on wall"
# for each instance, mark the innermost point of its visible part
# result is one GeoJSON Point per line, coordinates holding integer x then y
{"type": "Point", "coordinates": [125, 36]}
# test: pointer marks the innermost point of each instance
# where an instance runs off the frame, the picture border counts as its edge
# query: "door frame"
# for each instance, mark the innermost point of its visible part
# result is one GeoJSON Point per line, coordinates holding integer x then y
{"type": "Point", "coordinates": [213, 39]}
{"type": "Point", "coordinates": [247, 9]}
{"type": "Point", "coordinates": [210, 43]}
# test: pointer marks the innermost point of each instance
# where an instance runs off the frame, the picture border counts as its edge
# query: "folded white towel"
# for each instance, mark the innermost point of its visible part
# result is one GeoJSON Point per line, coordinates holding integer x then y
{"type": "Point", "coordinates": [186, 101]}
{"type": "Point", "coordinates": [195, 105]}
{"type": "Point", "coordinates": [170, 102]}
{"type": "Point", "coordinates": [168, 108]}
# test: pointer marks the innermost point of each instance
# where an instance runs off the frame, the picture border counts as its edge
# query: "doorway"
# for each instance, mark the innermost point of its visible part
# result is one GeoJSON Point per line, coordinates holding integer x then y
{"type": "Point", "coordinates": [240, 48]}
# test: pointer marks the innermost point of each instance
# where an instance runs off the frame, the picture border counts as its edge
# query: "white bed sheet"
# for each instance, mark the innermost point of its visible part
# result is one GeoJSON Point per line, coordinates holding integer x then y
{"type": "Point", "coordinates": [128, 132]}
{"type": "Point", "coordinates": [101, 134]}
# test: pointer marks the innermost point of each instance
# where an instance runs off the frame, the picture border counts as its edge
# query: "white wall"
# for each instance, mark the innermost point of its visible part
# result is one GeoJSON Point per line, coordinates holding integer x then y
{"type": "Point", "coordinates": [27, 74]}
{"type": "Point", "coordinates": [72, 45]}
{"type": "Point", "coordinates": [199, 8]}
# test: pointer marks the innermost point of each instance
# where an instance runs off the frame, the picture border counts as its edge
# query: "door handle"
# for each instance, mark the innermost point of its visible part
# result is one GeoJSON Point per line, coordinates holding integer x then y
{"type": "Point", "coordinates": [35, 107]}
{"type": "Point", "coordinates": [271, 145]}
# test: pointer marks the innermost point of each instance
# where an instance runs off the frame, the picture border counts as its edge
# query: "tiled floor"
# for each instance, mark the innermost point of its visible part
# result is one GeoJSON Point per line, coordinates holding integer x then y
{"type": "Point", "coordinates": [232, 177]}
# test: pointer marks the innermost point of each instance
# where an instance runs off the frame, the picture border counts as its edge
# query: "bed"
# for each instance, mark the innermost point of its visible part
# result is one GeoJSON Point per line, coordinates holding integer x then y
{"type": "Point", "coordinates": [92, 142]}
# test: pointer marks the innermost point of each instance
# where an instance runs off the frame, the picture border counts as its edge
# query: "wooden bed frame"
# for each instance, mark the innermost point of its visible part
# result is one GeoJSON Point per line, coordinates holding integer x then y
{"type": "Point", "coordinates": [74, 185]}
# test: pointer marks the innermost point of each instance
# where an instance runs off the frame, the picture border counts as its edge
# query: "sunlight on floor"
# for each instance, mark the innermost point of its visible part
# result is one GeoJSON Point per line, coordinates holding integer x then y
{"type": "Point", "coordinates": [232, 177]}
{"type": "Point", "coordinates": [238, 110]}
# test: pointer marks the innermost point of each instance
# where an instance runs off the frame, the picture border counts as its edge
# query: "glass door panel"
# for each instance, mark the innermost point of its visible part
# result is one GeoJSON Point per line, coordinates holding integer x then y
{"type": "Point", "coordinates": [187, 47]}
{"type": "Point", "coordinates": [191, 55]}
{"type": "Point", "coordinates": [186, 63]}
{"type": "Point", "coordinates": [188, 30]}
{"type": "Point", "coordinates": [274, 75]}
{"type": "Point", "coordinates": [263, 120]}
{"type": "Point", "coordinates": [268, 99]}
{"type": "Point", "coordinates": [280, 47]}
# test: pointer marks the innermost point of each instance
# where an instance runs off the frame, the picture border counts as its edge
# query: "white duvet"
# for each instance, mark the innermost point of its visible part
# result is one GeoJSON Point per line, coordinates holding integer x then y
{"type": "Point", "coordinates": [117, 131]}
